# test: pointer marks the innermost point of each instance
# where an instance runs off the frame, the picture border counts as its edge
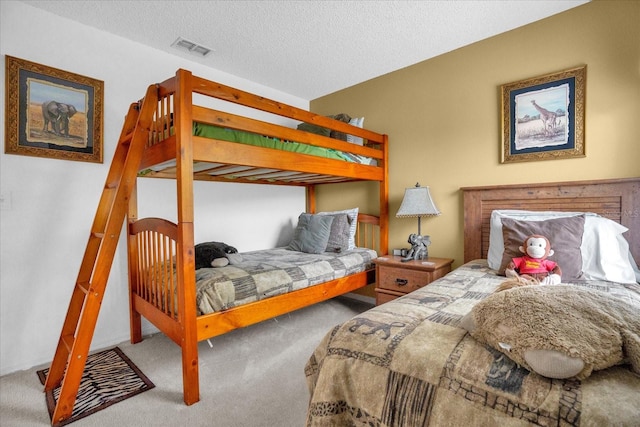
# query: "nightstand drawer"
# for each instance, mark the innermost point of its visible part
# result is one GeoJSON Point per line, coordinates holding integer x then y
{"type": "Point", "coordinates": [395, 277]}
{"type": "Point", "coordinates": [402, 279]}
{"type": "Point", "coordinates": [383, 296]}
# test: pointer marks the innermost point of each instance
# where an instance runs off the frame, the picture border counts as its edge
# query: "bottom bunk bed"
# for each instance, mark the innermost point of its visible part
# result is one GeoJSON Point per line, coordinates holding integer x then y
{"type": "Point", "coordinates": [255, 286]}
{"type": "Point", "coordinates": [422, 359]}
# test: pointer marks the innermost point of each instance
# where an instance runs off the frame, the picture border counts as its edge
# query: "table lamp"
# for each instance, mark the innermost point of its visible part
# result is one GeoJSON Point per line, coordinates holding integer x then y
{"type": "Point", "coordinates": [417, 202]}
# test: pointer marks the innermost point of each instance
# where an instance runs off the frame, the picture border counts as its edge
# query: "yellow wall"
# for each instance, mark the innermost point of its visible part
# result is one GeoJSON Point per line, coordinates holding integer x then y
{"type": "Point", "coordinates": [443, 115]}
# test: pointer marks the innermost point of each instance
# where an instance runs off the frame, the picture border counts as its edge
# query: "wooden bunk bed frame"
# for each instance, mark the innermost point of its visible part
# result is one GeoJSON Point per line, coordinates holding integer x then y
{"type": "Point", "coordinates": [157, 130]}
{"type": "Point", "coordinates": [175, 110]}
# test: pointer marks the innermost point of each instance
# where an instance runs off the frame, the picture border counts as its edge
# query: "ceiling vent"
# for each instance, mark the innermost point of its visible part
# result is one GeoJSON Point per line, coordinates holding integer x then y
{"type": "Point", "coordinates": [191, 47]}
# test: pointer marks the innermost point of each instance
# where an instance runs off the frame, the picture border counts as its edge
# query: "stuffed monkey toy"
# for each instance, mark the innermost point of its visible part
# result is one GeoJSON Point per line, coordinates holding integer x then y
{"type": "Point", "coordinates": [533, 267]}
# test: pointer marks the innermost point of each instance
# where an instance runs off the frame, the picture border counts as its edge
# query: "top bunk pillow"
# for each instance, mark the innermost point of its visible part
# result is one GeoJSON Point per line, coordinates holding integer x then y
{"type": "Point", "coordinates": [311, 234]}
{"type": "Point", "coordinates": [318, 130]}
{"type": "Point", "coordinates": [358, 122]}
{"type": "Point", "coordinates": [353, 224]}
{"type": "Point", "coordinates": [342, 117]}
{"type": "Point", "coordinates": [565, 235]}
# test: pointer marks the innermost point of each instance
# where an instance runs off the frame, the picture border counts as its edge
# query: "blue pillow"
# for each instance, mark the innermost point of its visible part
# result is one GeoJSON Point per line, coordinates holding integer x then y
{"type": "Point", "coordinates": [311, 234]}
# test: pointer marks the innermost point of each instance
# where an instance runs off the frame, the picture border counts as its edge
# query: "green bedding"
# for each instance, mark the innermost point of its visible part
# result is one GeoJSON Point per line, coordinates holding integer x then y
{"type": "Point", "coordinates": [216, 132]}
{"type": "Point", "coordinates": [225, 134]}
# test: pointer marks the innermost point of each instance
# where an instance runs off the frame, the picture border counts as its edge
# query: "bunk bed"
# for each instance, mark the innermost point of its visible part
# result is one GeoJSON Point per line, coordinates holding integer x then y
{"type": "Point", "coordinates": [415, 360]}
{"type": "Point", "coordinates": [186, 141]}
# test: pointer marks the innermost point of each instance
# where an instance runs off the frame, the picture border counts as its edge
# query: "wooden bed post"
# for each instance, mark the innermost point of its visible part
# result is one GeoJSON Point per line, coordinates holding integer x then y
{"type": "Point", "coordinates": [185, 249]}
{"type": "Point", "coordinates": [135, 319]}
{"type": "Point", "coordinates": [384, 200]}
{"type": "Point", "coordinates": [311, 198]}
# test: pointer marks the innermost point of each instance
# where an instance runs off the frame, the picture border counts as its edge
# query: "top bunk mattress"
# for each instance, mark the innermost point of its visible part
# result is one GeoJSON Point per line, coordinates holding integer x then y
{"type": "Point", "coordinates": [242, 137]}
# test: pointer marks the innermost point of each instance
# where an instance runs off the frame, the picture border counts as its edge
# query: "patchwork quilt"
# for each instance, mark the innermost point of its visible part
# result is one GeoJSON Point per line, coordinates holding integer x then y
{"type": "Point", "coordinates": [266, 273]}
{"type": "Point", "coordinates": [408, 363]}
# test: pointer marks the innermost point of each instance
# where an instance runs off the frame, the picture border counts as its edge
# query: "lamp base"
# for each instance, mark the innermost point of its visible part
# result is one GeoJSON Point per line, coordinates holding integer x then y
{"type": "Point", "coordinates": [418, 249]}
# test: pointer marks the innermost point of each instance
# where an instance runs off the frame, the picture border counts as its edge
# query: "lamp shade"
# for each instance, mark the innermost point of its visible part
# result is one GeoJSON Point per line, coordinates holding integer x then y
{"type": "Point", "coordinates": [417, 202]}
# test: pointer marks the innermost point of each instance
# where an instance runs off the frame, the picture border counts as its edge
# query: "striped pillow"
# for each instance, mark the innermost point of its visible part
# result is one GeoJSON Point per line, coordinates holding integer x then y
{"type": "Point", "coordinates": [353, 217]}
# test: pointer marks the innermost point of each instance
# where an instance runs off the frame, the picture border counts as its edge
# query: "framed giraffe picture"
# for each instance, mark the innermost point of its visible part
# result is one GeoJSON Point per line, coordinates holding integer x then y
{"type": "Point", "coordinates": [543, 117]}
{"type": "Point", "coordinates": [52, 113]}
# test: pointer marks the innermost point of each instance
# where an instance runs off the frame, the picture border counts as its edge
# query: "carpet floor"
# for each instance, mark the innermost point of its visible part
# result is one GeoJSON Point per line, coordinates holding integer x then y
{"type": "Point", "coordinates": [251, 377]}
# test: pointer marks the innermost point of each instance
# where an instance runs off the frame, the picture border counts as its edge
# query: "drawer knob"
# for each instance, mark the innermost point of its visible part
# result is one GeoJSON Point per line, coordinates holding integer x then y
{"type": "Point", "coordinates": [401, 282]}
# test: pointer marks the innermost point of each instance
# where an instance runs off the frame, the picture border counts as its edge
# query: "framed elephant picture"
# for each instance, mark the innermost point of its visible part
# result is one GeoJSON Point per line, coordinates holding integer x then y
{"type": "Point", "coordinates": [52, 113]}
{"type": "Point", "coordinates": [543, 117]}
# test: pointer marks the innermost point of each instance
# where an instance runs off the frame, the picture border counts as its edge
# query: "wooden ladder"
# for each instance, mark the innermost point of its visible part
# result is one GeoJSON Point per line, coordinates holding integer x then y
{"type": "Point", "coordinates": [71, 354]}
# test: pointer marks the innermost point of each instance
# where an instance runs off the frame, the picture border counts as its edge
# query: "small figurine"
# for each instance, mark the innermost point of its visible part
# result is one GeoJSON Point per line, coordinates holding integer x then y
{"type": "Point", "coordinates": [418, 247]}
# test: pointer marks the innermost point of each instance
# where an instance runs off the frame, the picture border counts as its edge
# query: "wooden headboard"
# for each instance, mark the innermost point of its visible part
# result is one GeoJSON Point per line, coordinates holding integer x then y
{"type": "Point", "coordinates": [616, 199]}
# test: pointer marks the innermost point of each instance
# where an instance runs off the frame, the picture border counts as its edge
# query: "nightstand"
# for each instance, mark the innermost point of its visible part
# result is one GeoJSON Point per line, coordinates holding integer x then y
{"type": "Point", "coordinates": [395, 278]}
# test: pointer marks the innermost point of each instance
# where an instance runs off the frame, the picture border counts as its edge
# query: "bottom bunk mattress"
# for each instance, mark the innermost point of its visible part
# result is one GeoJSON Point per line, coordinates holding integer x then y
{"type": "Point", "coordinates": [409, 363]}
{"type": "Point", "coordinates": [267, 273]}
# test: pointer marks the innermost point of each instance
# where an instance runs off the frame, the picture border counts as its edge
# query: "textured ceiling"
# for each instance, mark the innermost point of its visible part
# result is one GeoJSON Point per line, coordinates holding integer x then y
{"type": "Point", "coordinates": [308, 48]}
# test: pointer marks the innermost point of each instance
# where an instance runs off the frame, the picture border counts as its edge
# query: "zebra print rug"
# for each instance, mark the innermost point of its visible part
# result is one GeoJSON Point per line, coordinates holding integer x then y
{"type": "Point", "coordinates": [109, 377]}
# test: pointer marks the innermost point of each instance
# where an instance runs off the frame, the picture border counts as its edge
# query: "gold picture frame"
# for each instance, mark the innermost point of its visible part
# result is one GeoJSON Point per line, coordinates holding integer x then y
{"type": "Point", "coordinates": [52, 113]}
{"type": "Point", "coordinates": [543, 117]}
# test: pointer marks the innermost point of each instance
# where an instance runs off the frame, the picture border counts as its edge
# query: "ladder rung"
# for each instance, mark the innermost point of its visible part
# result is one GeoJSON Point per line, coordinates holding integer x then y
{"type": "Point", "coordinates": [111, 185]}
{"type": "Point", "coordinates": [68, 340]}
{"type": "Point", "coordinates": [84, 287]}
{"type": "Point", "coordinates": [126, 140]}
{"type": "Point", "coordinates": [97, 234]}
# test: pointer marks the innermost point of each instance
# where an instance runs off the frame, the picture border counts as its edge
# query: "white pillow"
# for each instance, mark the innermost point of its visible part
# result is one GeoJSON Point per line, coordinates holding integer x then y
{"type": "Point", "coordinates": [353, 217]}
{"type": "Point", "coordinates": [635, 267]}
{"type": "Point", "coordinates": [605, 252]}
{"type": "Point", "coordinates": [359, 122]}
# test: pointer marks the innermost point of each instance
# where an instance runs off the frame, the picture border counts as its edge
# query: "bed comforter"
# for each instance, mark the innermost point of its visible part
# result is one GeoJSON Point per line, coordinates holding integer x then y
{"type": "Point", "coordinates": [407, 363]}
{"type": "Point", "coordinates": [266, 273]}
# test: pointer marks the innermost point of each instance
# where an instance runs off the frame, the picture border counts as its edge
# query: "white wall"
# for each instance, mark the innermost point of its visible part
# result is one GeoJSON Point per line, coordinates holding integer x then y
{"type": "Point", "coordinates": [49, 204]}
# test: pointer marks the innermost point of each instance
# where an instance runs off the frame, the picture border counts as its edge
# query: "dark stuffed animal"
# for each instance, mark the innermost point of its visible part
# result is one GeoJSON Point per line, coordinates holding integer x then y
{"type": "Point", "coordinates": [213, 254]}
